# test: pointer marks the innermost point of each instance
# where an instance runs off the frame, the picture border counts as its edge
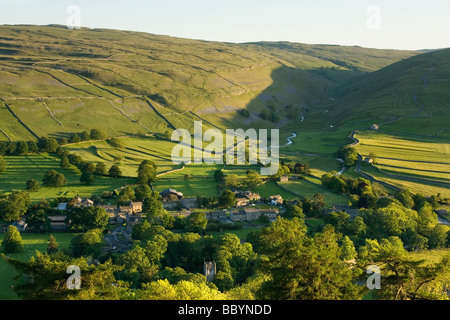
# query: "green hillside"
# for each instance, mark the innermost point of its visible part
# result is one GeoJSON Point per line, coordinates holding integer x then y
{"type": "Point", "coordinates": [410, 96]}
{"type": "Point", "coordinates": [55, 81]}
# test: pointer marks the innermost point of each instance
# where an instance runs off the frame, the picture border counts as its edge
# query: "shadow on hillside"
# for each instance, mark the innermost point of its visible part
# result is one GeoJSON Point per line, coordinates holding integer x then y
{"type": "Point", "coordinates": [294, 93]}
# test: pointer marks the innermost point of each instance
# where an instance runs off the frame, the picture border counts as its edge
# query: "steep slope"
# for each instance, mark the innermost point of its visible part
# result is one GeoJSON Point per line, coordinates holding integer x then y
{"type": "Point", "coordinates": [55, 81]}
{"type": "Point", "coordinates": [410, 96]}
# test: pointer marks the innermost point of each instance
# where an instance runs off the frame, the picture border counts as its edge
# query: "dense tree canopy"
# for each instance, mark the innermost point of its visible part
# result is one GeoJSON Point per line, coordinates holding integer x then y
{"type": "Point", "coordinates": [12, 241]}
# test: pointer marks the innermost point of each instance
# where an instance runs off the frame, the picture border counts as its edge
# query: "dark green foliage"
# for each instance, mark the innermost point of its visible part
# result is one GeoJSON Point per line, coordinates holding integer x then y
{"type": "Point", "coordinates": [227, 199]}
{"type": "Point", "coordinates": [146, 172]}
{"type": "Point", "coordinates": [54, 179]}
{"type": "Point", "coordinates": [14, 205]}
{"type": "Point", "coordinates": [196, 222]}
{"type": "Point", "coordinates": [82, 219]}
{"type": "Point", "coordinates": [12, 241]}
{"type": "Point", "coordinates": [349, 155]}
{"type": "Point", "coordinates": [52, 247]}
{"type": "Point", "coordinates": [47, 144]}
{"type": "Point", "coordinates": [87, 178]}
{"type": "Point", "coordinates": [115, 171]}
{"type": "Point", "coordinates": [64, 164]}
{"type": "Point", "coordinates": [3, 164]}
{"type": "Point", "coordinates": [96, 134]}
{"type": "Point", "coordinates": [32, 185]}
{"type": "Point", "coordinates": [38, 221]}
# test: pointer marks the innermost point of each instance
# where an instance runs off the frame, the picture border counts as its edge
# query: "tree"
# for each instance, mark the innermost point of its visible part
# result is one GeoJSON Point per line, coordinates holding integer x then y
{"type": "Point", "coordinates": [54, 179]}
{"type": "Point", "coordinates": [349, 155]}
{"type": "Point", "coordinates": [142, 191]}
{"type": "Point", "coordinates": [146, 172]}
{"type": "Point", "coordinates": [85, 135]}
{"type": "Point", "coordinates": [232, 181]}
{"type": "Point", "coordinates": [52, 247]}
{"type": "Point", "coordinates": [64, 164]}
{"type": "Point", "coordinates": [22, 147]}
{"type": "Point", "coordinates": [87, 244]}
{"type": "Point", "coordinates": [82, 219]}
{"type": "Point", "coordinates": [96, 134]}
{"type": "Point", "coordinates": [138, 268]}
{"type": "Point", "coordinates": [127, 194]}
{"type": "Point", "coordinates": [318, 202]}
{"type": "Point", "coordinates": [32, 185]}
{"type": "Point", "coordinates": [3, 164]}
{"type": "Point", "coordinates": [87, 178]}
{"type": "Point", "coordinates": [32, 147]}
{"type": "Point", "coordinates": [348, 251]}
{"type": "Point", "coordinates": [14, 205]}
{"type": "Point", "coordinates": [100, 169]}
{"type": "Point", "coordinates": [227, 199]}
{"type": "Point", "coordinates": [49, 274]}
{"type": "Point", "coordinates": [339, 220]}
{"type": "Point", "coordinates": [219, 176]}
{"type": "Point", "coordinates": [88, 167]}
{"type": "Point", "coordinates": [196, 222]}
{"type": "Point", "coordinates": [303, 267]}
{"type": "Point", "coordinates": [12, 241]}
{"type": "Point", "coordinates": [438, 237]}
{"type": "Point", "coordinates": [294, 211]}
{"type": "Point", "coordinates": [153, 207]}
{"type": "Point", "coordinates": [405, 277]}
{"type": "Point", "coordinates": [374, 157]}
{"type": "Point", "coordinates": [75, 138]}
{"type": "Point", "coordinates": [393, 220]}
{"type": "Point", "coordinates": [252, 179]}
{"type": "Point", "coordinates": [116, 143]}
{"type": "Point", "coordinates": [405, 197]}
{"type": "Point", "coordinates": [115, 171]}
{"type": "Point", "coordinates": [47, 145]}
{"type": "Point", "coordinates": [38, 220]}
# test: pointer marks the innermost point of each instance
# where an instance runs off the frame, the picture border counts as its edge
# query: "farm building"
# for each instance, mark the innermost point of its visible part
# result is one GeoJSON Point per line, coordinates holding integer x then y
{"type": "Point", "coordinates": [171, 194]}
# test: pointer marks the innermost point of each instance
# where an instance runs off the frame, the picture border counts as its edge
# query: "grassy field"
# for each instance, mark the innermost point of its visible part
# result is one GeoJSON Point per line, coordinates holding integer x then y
{"type": "Point", "coordinates": [23, 168]}
{"type": "Point", "coordinates": [100, 78]}
{"type": "Point", "coordinates": [309, 186]}
{"type": "Point", "coordinates": [416, 158]}
{"type": "Point", "coordinates": [134, 151]}
{"type": "Point", "coordinates": [32, 242]}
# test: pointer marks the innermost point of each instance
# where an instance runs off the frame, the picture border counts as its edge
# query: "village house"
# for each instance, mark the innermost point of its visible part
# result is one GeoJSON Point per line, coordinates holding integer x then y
{"type": "Point", "coordinates": [58, 222]}
{"type": "Point", "coordinates": [242, 202]}
{"type": "Point", "coordinates": [171, 194]}
{"type": "Point", "coordinates": [283, 179]}
{"type": "Point", "coordinates": [21, 225]}
{"type": "Point", "coordinates": [368, 160]}
{"type": "Point", "coordinates": [250, 196]}
{"type": "Point", "coordinates": [252, 214]}
{"type": "Point", "coordinates": [83, 202]}
{"type": "Point", "coordinates": [132, 208]}
{"type": "Point", "coordinates": [109, 208]}
{"type": "Point", "coordinates": [181, 213]}
{"type": "Point", "coordinates": [352, 212]}
{"type": "Point", "coordinates": [276, 200]}
{"type": "Point", "coordinates": [62, 206]}
{"type": "Point", "coordinates": [186, 203]}
{"type": "Point", "coordinates": [216, 215]}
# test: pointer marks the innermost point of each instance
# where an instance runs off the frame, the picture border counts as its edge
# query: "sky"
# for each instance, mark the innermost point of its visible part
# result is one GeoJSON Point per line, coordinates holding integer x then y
{"type": "Point", "coordinates": [387, 24]}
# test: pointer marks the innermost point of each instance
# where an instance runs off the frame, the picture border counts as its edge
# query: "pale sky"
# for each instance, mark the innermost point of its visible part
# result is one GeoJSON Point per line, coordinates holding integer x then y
{"type": "Point", "coordinates": [394, 24]}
